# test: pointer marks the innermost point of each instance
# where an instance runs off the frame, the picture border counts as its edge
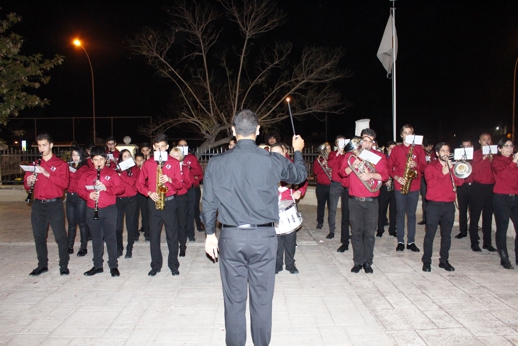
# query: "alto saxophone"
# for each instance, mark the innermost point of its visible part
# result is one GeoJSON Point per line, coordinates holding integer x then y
{"type": "Point", "coordinates": [410, 174]}
{"type": "Point", "coordinates": [161, 189]}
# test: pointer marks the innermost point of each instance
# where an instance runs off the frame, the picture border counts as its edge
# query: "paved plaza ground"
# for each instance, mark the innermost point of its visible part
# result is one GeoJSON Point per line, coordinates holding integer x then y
{"type": "Point", "coordinates": [323, 305]}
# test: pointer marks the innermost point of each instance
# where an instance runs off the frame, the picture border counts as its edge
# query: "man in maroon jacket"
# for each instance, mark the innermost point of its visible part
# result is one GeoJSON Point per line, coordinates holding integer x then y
{"type": "Point", "coordinates": [440, 194]}
{"type": "Point", "coordinates": [322, 173]}
{"type": "Point", "coordinates": [48, 188]}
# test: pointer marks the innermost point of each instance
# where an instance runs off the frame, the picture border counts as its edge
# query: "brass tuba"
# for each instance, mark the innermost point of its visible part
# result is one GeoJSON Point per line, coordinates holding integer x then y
{"type": "Point", "coordinates": [363, 166]}
{"type": "Point", "coordinates": [322, 159]}
{"type": "Point", "coordinates": [161, 189]}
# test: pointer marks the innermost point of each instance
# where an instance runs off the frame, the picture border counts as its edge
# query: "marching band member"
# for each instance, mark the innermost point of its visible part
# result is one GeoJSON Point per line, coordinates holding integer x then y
{"type": "Point", "coordinates": [75, 205]}
{"type": "Point", "coordinates": [429, 151]}
{"type": "Point", "coordinates": [47, 208]}
{"type": "Point", "coordinates": [191, 163]}
{"type": "Point", "coordinates": [322, 173]}
{"type": "Point", "coordinates": [465, 199]}
{"type": "Point", "coordinates": [482, 196]}
{"type": "Point", "coordinates": [400, 163]}
{"type": "Point", "coordinates": [505, 198]}
{"type": "Point", "coordinates": [141, 200]}
{"type": "Point", "coordinates": [440, 194]}
{"type": "Point", "coordinates": [112, 151]}
{"type": "Point", "coordinates": [107, 185]}
{"type": "Point", "coordinates": [387, 198]}
{"type": "Point", "coordinates": [170, 177]}
{"type": "Point", "coordinates": [287, 243]}
{"type": "Point", "coordinates": [182, 200]}
{"type": "Point", "coordinates": [88, 147]}
{"type": "Point", "coordinates": [127, 206]}
{"type": "Point", "coordinates": [363, 203]}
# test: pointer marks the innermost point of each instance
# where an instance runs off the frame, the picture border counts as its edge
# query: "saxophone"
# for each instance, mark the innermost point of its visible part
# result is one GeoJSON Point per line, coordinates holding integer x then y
{"type": "Point", "coordinates": [161, 189]}
{"type": "Point", "coordinates": [410, 174]}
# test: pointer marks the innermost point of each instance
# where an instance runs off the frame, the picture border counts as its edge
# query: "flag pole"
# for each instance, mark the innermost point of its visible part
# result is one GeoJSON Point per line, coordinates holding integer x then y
{"type": "Point", "coordinates": [393, 13]}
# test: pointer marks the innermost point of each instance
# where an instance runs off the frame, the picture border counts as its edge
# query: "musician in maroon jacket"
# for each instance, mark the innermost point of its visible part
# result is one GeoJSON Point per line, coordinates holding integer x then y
{"type": "Point", "coordinates": [482, 197]}
{"type": "Point", "coordinates": [322, 173]}
{"type": "Point", "coordinates": [440, 209]}
{"type": "Point", "coordinates": [146, 185]}
{"type": "Point", "coordinates": [505, 198]}
{"type": "Point", "coordinates": [465, 199]}
{"type": "Point", "coordinates": [406, 204]}
{"type": "Point", "coordinates": [191, 163]}
{"type": "Point", "coordinates": [107, 185]}
{"type": "Point", "coordinates": [363, 203]}
{"type": "Point", "coordinates": [47, 207]}
{"type": "Point", "coordinates": [112, 152]}
{"type": "Point", "coordinates": [127, 205]}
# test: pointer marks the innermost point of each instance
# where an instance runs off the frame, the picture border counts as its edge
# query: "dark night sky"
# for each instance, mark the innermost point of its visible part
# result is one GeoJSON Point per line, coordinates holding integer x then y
{"type": "Point", "coordinates": [454, 70]}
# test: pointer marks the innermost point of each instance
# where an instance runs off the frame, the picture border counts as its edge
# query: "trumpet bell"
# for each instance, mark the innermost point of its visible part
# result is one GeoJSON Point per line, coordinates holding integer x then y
{"type": "Point", "coordinates": [353, 144]}
{"type": "Point", "coordinates": [462, 170]}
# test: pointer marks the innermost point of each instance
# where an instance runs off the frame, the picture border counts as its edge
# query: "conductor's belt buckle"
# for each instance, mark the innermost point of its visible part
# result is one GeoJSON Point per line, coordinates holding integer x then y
{"type": "Point", "coordinates": [362, 199]}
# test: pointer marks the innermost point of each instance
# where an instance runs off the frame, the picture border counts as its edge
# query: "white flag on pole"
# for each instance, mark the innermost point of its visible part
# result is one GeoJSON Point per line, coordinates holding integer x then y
{"type": "Point", "coordinates": [388, 46]}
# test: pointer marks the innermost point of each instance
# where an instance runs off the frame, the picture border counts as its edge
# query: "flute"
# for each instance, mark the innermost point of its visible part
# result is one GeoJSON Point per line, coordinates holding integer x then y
{"type": "Point", "coordinates": [31, 190]}
{"type": "Point", "coordinates": [96, 210]}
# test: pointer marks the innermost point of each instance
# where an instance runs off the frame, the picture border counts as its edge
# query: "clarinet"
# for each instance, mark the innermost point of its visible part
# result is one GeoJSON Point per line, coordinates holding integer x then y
{"type": "Point", "coordinates": [96, 210]}
{"type": "Point", "coordinates": [31, 190]}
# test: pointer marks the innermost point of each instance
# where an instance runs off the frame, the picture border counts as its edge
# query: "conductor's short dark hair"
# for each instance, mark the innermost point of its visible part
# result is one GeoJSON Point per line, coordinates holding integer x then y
{"type": "Point", "coordinates": [160, 138]}
{"type": "Point", "coordinates": [45, 136]}
{"type": "Point", "coordinates": [97, 151]}
{"type": "Point", "coordinates": [245, 122]}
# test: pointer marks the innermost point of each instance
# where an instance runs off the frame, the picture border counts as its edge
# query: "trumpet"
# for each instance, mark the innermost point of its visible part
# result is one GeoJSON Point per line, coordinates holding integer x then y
{"type": "Point", "coordinates": [362, 166]}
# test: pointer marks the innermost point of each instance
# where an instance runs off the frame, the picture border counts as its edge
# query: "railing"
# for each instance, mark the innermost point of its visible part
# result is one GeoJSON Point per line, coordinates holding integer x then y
{"type": "Point", "coordinates": [12, 174]}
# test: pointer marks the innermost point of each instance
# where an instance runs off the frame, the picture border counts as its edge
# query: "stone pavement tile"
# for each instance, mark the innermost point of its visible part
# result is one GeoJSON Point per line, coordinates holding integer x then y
{"type": "Point", "coordinates": [512, 339]}
{"type": "Point", "coordinates": [371, 338]}
{"type": "Point", "coordinates": [186, 318]}
{"type": "Point", "coordinates": [26, 339]}
{"type": "Point", "coordinates": [496, 341]}
{"type": "Point", "coordinates": [442, 319]}
{"type": "Point", "coordinates": [166, 337]}
{"type": "Point", "coordinates": [119, 330]}
{"type": "Point", "coordinates": [467, 303]}
{"type": "Point", "coordinates": [508, 316]}
{"type": "Point", "coordinates": [404, 319]}
{"type": "Point", "coordinates": [97, 341]}
{"type": "Point", "coordinates": [307, 321]}
{"type": "Point", "coordinates": [449, 337]}
{"type": "Point", "coordinates": [334, 335]}
{"type": "Point", "coordinates": [306, 305]}
{"type": "Point", "coordinates": [308, 335]}
{"type": "Point", "coordinates": [56, 341]}
{"type": "Point", "coordinates": [482, 323]}
{"type": "Point", "coordinates": [406, 337]}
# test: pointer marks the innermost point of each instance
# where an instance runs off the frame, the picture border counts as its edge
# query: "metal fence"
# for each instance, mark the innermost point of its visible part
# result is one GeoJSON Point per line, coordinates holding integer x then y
{"type": "Point", "coordinates": [12, 174]}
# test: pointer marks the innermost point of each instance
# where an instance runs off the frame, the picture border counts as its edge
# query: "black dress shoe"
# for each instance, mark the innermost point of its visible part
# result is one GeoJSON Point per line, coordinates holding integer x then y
{"type": "Point", "coordinates": [115, 272]}
{"type": "Point", "coordinates": [38, 271]}
{"type": "Point", "coordinates": [129, 254]}
{"type": "Point", "coordinates": [153, 272]}
{"type": "Point", "coordinates": [394, 234]}
{"type": "Point", "coordinates": [379, 234]}
{"type": "Point", "coordinates": [94, 271]}
{"type": "Point", "coordinates": [446, 266]}
{"type": "Point", "coordinates": [330, 235]}
{"type": "Point", "coordinates": [427, 267]}
{"type": "Point", "coordinates": [422, 222]}
{"type": "Point", "coordinates": [476, 248]}
{"type": "Point", "coordinates": [146, 238]}
{"type": "Point", "coordinates": [489, 248]}
{"type": "Point", "coordinates": [191, 238]}
{"type": "Point", "coordinates": [82, 252]}
{"type": "Point", "coordinates": [119, 253]}
{"type": "Point", "coordinates": [412, 247]}
{"type": "Point", "coordinates": [343, 247]}
{"type": "Point", "coordinates": [175, 272]}
{"type": "Point", "coordinates": [70, 250]}
{"type": "Point", "coordinates": [319, 226]}
{"type": "Point", "coordinates": [461, 235]}
{"type": "Point", "coordinates": [182, 253]}
{"type": "Point", "coordinates": [400, 247]}
{"type": "Point", "coordinates": [64, 271]}
{"type": "Point", "coordinates": [356, 269]}
{"type": "Point", "coordinates": [277, 270]}
{"type": "Point", "coordinates": [292, 270]}
{"type": "Point", "coordinates": [368, 269]}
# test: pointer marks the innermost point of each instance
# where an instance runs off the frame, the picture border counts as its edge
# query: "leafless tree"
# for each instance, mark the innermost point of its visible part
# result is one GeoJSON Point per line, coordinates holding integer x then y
{"type": "Point", "coordinates": [213, 83]}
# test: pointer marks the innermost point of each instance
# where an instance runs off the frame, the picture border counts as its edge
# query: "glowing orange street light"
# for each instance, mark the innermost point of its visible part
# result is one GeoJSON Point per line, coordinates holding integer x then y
{"type": "Point", "coordinates": [78, 44]}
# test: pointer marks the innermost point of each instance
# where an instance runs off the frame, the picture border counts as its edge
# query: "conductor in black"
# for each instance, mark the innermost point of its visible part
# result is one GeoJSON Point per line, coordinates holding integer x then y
{"type": "Point", "coordinates": [240, 187]}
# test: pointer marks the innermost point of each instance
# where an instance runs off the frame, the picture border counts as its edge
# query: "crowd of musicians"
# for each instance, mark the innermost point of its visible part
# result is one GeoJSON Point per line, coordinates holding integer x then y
{"type": "Point", "coordinates": [164, 191]}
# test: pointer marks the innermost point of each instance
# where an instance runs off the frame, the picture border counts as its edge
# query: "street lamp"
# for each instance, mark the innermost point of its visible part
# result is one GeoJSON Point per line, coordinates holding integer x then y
{"type": "Point", "coordinates": [78, 44]}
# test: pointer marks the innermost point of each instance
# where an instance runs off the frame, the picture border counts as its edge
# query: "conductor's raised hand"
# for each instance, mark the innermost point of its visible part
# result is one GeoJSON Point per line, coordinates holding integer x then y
{"type": "Point", "coordinates": [211, 246]}
{"type": "Point", "coordinates": [297, 143]}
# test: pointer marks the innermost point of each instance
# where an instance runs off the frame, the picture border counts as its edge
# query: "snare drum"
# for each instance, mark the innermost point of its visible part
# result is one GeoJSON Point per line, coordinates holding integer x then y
{"type": "Point", "coordinates": [290, 219]}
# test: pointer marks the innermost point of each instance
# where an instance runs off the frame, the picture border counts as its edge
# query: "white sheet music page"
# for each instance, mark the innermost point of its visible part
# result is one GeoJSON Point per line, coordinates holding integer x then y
{"type": "Point", "coordinates": [371, 157]}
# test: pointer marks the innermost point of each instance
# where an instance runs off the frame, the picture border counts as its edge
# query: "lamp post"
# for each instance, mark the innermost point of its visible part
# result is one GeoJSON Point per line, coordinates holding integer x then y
{"type": "Point", "coordinates": [514, 98]}
{"type": "Point", "coordinates": [78, 44]}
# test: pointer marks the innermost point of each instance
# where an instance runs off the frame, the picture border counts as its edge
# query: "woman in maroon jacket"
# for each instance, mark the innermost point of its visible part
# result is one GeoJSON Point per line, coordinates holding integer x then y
{"type": "Point", "coordinates": [127, 205]}
{"type": "Point", "coordinates": [505, 197]}
{"type": "Point", "coordinates": [75, 205]}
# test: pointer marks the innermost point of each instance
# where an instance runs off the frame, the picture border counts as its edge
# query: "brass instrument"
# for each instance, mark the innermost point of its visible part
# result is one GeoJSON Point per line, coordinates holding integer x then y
{"type": "Point", "coordinates": [363, 166]}
{"type": "Point", "coordinates": [410, 173]}
{"type": "Point", "coordinates": [462, 169]}
{"type": "Point", "coordinates": [161, 189]}
{"type": "Point", "coordinates": [322, 159]}
{"type": "Point", "coordinates": [451, 175]}
{"type": "Point", "coordinates": [31, 190]}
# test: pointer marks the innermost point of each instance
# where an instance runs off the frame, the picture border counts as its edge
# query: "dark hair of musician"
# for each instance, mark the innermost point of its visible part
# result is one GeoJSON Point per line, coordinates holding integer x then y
{"type": "Point", "coordinates": [406, 126]}
{"type": "Point", "coordinates": [45, 136]}
{"type": "Point", "coordinates": [440, 145]}
{"type": "Point", "coordinates": [389, 143]}
{"type": "Point", "coordinates": [97, 151]}
{"type": "Point", "coordinates": [283, 146]}
{"type": "Point", "coordinates": [111, 138]}
{"type": "Point", "coordinates": [273, 134]}
{"type": "Point", "coordinates": [427, 142]}
{"type": "Point", "coordinates": [139, 155]}
{"type": "Point", "coordinates": [502, 141]}
{"type": "Point", "coordinates": [89, 145]}
{"type": "Point", "coordinates": [338, 137]}
{"type": "Point", "coordinates": [82, 155]}
{"type": "Point", "coordinates": [122, 152]}
{"type": "Point", "coordinates": [162, 137]}
{"type": "Point", "coordinates": [146, 145]}
{"type": "Point", "coordinates": [245, 122]}
{"type": "Point", "coordinates": [368, 132]}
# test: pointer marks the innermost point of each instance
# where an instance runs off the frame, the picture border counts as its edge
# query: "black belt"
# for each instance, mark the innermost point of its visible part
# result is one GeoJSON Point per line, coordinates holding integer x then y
{"type": "Point", "coordinates": [506, 194]}
{"type": "Point", "coordinates": [46, 200]}
{"type": "Point", "coordinates": [363, 199]}
{"type": "Point", "coordinates": [170, 198]}
{"type": "Point", "coordinates": [249, 226]}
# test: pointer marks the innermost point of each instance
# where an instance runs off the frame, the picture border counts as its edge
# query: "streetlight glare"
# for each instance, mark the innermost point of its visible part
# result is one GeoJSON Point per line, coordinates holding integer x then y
{"type": "Point", "coordinates": [288, 99]}
{"type": "Point", "coordinates": [77, 42]}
